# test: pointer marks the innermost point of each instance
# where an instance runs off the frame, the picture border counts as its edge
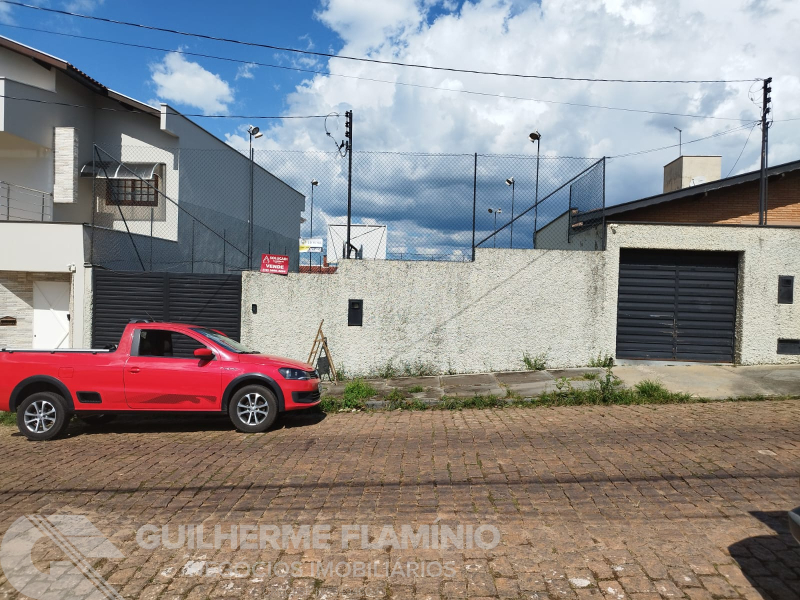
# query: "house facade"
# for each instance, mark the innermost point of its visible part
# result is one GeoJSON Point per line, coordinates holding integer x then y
{"type": "Point", "coordinates": [90, 178]}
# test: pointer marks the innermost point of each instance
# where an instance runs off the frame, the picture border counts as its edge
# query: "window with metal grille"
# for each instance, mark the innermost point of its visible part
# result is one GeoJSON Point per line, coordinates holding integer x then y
{"type": "Point", "coordinates": [132, 192]}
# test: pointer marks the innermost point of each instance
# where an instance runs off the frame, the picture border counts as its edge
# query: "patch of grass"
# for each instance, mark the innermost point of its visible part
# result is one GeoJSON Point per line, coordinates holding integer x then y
{"type": "Point", "coordinates": [655, 392]}
{"type": "Point", "coordinates": [387, 371]}
{"type": "Point", "coordinates": [535, 363]}
{"type": "Point", "coordinates": [329, 404]}
{"type": "Point", "coordinates": [358, 389]}
{"type": "Point", "coordinates": [415, 389]}
{"type": "Point", "coordinates": [7, 418]}
{"type": "Point", "coordinates": [419, 369]}
{"type": "Point", "coordinates": [590, 376]}
{"type": "Point", "coordinates": [605, 361]}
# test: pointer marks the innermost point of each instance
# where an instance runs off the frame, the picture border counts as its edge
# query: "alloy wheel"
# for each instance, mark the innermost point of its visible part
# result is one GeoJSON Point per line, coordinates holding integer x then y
{"type": "Point", "coordinates": [252, 409]}
{"type": "Point", "coordinates": [40, 416]}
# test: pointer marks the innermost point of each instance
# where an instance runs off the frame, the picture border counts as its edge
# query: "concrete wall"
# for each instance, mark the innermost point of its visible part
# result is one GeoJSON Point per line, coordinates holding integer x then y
{"type": "Point", "coordinates": [458, 317]}
{"type": "Point", "coordinates": [47, 248]}
{"type": "Point", "coordinates": [471, 317]}
{"type": "Point", "coordinates": [682, 171]}
{"type": "Point", "coordinates": [767, 252]}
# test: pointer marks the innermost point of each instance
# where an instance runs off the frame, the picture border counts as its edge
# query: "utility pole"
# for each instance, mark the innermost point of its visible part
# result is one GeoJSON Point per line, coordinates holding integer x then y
{"type": "Point", "coordinates": [348, 133]}
{"type": "Point", "coordinates": [762, 192]}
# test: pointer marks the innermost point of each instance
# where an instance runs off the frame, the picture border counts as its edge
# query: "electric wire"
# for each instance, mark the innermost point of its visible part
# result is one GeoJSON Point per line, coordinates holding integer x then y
{"type": "Point", "coordinates": [357, 58]}
{"type": "Point", "coordinates": [371, 79]}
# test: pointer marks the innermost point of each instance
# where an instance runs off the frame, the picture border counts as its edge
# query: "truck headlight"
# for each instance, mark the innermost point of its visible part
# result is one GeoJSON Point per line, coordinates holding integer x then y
{"type": "Point", "coordinates": [289, 373]}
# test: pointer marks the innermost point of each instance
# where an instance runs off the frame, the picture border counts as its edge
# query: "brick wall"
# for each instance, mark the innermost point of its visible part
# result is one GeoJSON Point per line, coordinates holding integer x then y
{"type": "Point", "coordinates": [736, 205]}
{"type": "Point", "coordinates": [65, 182]}
{"type": "Point", "coordinates": [16, 300]}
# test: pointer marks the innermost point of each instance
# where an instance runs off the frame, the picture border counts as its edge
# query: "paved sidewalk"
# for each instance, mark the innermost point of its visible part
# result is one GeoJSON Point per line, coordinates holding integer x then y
{"type": "Point", "coordinates": [707, 381]}
{"type": "Point", "coordinates": [591, 503]}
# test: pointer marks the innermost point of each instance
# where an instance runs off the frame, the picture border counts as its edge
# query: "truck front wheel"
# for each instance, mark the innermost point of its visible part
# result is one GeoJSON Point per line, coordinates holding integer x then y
{"type": "Point", "coordinates": [42, 416]}
{"type": "Point", "coordinates": [253, 409]}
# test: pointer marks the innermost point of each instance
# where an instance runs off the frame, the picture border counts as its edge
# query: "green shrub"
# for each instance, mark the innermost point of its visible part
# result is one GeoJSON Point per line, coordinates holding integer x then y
{"type": "Point", "coordinates": [415, 389]}
{"type": "Point", "coordinates": [604, 361]}
{"type": "Point", "coordinates": [535, 363]}
{"type": "Point", "coordinates": [358, 389]}
{"type": "Point", "coordinates": [387, 371]}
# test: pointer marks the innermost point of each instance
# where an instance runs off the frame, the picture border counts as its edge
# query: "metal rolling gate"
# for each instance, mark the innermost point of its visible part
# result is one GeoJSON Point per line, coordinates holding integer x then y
{"type": "Point", "coordinates": [200, 299]}
{"type": "Point", "coordinates": [675, 305]}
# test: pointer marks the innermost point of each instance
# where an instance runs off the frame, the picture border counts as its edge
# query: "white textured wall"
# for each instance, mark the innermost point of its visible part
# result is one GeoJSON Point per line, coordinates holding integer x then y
{"type": "Point", "coordinates": [462, 317]}
{"type": "Point", "coordinates": [767, 253]}
{"type": "Point", "coordinates": [469, 317]}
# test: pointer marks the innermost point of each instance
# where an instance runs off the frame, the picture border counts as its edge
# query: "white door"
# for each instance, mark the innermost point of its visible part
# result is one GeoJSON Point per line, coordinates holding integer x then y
{"type": "Point", "coordinates": [51, 314]}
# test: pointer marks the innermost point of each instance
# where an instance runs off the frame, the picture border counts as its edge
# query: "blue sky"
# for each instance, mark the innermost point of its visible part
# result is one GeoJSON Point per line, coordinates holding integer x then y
{"type": "Point", "coordinates": [128, 70]}
{"type": "Point", "coordinates": [647, 39]}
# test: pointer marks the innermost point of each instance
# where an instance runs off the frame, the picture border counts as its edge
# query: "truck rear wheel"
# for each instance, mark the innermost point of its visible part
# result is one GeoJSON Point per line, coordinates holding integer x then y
{"type": "Point", "coordinates": [42, 416]}
{"type": "Point", "coordinates": [253, 409]}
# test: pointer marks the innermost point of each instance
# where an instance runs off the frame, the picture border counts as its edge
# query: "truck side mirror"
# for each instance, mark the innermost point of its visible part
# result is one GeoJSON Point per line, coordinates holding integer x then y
{"type": "Point", "coordinates": [204, 353]}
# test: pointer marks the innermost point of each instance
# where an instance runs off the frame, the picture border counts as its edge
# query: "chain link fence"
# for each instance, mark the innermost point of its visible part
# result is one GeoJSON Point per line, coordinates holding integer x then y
{"type": "Point", "coordinates": [568, 214]}
{"type": "Point", "coordinates": [188, 210]}
{"type": "Point", "coordinates": [185, 210]}
{"type": "Point", "coordinates": [417, 206]}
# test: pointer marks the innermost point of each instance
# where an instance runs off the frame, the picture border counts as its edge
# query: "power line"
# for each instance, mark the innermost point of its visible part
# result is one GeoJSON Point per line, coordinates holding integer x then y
{"type": "Point", "coordinates": [141, 112]}
{"type": "Point", "coordinates": [708, 137]}
{"type": "Point", "coordinates": [742, 151]}
{"type": "Point", "coordinates": [401, 83]}
{"type": "Point", "coordinates": [360, 59]}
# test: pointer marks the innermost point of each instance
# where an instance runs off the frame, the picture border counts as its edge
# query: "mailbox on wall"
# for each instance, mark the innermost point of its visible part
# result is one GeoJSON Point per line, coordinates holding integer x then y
{"type": "Point", "coordinates": [355, 312]}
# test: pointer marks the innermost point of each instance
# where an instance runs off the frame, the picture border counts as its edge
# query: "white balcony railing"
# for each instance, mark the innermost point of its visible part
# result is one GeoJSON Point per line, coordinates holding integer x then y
{"type": "Point", "coordinates": [20, 203]}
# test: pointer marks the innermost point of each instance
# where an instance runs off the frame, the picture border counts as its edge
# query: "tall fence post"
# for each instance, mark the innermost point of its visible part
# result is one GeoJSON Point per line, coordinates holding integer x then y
{"type": "Point", "coordinates": [224, 248]}
{"type": "Point", "coordinates": [192, 245]}
{"type": "Point", "coordinates": [604, 204]}
{"type": "Point", "coordinates": [474, 202]}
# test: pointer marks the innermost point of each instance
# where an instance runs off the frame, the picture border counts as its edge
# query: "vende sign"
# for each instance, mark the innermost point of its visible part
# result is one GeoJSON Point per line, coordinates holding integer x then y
{"type": "Point", "coordinates": [275, 263]}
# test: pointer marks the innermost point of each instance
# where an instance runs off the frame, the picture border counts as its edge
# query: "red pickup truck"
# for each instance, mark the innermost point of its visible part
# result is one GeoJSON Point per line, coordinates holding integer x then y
{"type": "Point", "coordinates": [155, 367]}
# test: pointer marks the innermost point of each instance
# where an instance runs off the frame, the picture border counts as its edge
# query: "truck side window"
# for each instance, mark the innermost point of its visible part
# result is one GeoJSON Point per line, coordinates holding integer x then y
{"type": "Point", "coordinates": [168, 344]}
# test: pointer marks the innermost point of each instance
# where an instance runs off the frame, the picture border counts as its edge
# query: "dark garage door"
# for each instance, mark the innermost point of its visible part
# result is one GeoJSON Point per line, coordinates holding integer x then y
{"type": "Point", "coordinates": [677, 305]}
{"type": "Point", "coordinates": [207, 300]}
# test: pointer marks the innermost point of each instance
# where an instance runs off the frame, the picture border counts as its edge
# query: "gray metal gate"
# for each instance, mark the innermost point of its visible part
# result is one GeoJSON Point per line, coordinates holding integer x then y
{"type": "Point", "coordinates": [675, 305]}
{"type": "Point", "coordinates": [200, 299]}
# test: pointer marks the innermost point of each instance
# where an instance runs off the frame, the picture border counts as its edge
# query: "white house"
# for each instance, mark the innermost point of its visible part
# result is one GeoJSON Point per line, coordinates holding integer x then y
{"type": "Point", "coordinates": [89, 176]}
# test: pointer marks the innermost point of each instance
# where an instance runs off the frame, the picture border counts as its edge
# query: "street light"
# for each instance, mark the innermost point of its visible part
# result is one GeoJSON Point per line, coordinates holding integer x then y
{"type": "Point", "coordinates": [254, 133]}
{"type": "Point", "coordinates": [314, 183]}
{"type": "Point", "coordinates": [496, 212]}
{"type": "Point", "coordinates": [536, 138]}
{"type": "Point", "coordinates": [510, 181]}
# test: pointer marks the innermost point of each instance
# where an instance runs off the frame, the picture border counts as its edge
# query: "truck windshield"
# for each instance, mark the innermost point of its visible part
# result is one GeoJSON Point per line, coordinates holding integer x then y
{"type": "Point", "coordinates": [224, 341]}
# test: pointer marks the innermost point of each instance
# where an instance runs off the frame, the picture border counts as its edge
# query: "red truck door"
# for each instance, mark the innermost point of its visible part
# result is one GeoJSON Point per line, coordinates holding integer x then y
{"type": "Point", "coordinates": [162, 373]}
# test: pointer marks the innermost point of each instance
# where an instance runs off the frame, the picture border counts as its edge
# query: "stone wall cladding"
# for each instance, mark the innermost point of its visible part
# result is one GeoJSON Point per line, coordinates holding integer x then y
{"type": "Point", "coordinates": [16, 300]}
{"type": "Point", "coordinates": [66, 163]}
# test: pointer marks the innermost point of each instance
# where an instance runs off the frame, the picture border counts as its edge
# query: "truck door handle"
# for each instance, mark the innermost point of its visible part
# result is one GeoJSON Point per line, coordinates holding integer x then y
{"type": "Point", "coordinates": [134, 369]}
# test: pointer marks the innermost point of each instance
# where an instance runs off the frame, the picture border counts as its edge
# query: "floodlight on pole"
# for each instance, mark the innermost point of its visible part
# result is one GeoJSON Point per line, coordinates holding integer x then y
{"type": "Point", "coordinates": [314, 183]}
{"type": "Point", "coordinates": [495, 211]}
{"type": "Point", "coordinates": [254, 132]}
{"type": "Point", "coordinates": [536, 138]}
{"type": "Point", "coordinates": [510, 181]}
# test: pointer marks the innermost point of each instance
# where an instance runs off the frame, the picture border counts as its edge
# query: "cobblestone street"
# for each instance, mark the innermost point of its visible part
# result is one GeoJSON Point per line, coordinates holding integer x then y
{"type": "Point", "coordinates": [641, 502]}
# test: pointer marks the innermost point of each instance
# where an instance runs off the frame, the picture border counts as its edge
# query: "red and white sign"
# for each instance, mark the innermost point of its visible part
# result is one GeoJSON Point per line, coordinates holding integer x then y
{"type": "Point", "coordinates": [275, 263]}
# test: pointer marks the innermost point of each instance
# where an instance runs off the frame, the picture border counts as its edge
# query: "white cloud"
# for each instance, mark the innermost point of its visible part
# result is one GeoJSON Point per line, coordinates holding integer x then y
{"type": "Point", "coordinates": [245, 71]}
{"type": "Point", "coordinates": [637, 39]}
{"type": "Point", "coordinates": [184, 82]}
{"type": "Point", "coordinates": [82, 6]}
{"type": "Point", "coordinates": [5, 14]}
